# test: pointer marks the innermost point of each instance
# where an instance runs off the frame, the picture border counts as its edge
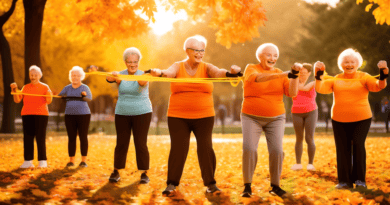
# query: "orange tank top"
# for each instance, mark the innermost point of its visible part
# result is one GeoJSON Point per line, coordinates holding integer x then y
{"type": "Point", "coordinates": [191, 100]}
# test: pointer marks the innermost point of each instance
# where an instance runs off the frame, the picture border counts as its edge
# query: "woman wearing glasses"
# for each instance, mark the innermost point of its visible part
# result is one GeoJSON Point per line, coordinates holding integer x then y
{"type": "Point", "coordinates": [191, 109]}
{"type": "Point", "coordinates": [304, 114]}
{"type": "Point", "coordinates": [133, 112]}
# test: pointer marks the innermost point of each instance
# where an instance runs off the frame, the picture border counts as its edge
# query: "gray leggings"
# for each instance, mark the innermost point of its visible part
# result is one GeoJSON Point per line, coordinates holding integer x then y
{"type": "Point", "coordinates": [305, 122]}
{"type": "Point", "coordinates": [252, 127]}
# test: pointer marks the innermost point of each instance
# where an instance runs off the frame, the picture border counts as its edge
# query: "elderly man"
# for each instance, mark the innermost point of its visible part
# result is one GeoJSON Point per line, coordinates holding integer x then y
{"type": "Point", "coordinates": [191, 109]}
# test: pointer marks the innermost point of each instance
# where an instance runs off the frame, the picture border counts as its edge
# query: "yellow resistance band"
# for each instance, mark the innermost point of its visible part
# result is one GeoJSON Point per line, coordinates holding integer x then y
{"type": "Point", "coordinates": [37, 95]}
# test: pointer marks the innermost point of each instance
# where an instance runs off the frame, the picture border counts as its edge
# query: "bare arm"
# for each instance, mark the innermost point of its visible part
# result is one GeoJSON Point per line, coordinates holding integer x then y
{"type": "Point", "coordinates": [14, 88]}
{"type": "Point", "coordinates": [307, 87]}
{"type": "Point", "coordinates": [49, 99]}
{"type": "Point", "coordinates": [382, 65]}
{"type": "Point", "coordinates": [294, 82]}
{"type": "Point", "coordinates": [264, 77]}
{"type": "Point", "coordinates": [215, 72]}
{"type": "Point", "coordinates": [168, 73]}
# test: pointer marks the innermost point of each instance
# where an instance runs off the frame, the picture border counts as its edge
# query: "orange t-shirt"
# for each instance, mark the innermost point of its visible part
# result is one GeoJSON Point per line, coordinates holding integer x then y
{"type": "Point", "coordinates": [191, 100]}
{"type": "Point", "coordinates": [34, 105]}
{"type": "Point", "coordinates": [350, 98]}
{"type": "Point", "coordinates": [264, 99]}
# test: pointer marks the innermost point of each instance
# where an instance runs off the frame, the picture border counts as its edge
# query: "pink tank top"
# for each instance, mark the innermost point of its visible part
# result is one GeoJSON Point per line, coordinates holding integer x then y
{"type": "Point", "coordinates": [305, 101]}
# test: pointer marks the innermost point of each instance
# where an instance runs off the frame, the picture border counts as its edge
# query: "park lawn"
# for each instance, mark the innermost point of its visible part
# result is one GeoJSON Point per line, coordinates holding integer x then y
{"type": "Point", "coordinates": [60, 185]}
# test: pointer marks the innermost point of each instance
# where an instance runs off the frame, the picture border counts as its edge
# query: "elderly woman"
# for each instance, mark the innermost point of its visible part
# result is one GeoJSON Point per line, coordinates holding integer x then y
{"type": "Point", "coordinates": [133, 112]}
{"type": "Point", "coordinates": [77, 114]}
{"type": "Point", "coordinates": [263, 110]}
{"type": "Point", "coordinates": [351, 113]}
{"type": "Point", "coordinates": [304, 114]}
{"type": "Point", "coordinates": [191, 109]}
{"type": "Point", "coordinates": [35, 115]}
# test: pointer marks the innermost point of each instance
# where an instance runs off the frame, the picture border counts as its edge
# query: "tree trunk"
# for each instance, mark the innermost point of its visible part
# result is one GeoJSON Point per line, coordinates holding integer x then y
{"type": "Point", "coordinates": [33, 10]}
{"type": "Point", "coordinates": [9, 107]}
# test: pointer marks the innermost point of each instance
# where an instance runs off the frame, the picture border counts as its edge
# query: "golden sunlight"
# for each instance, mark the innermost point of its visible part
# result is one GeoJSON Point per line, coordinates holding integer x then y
{"type": "Point", "coordinates": [165, 19]}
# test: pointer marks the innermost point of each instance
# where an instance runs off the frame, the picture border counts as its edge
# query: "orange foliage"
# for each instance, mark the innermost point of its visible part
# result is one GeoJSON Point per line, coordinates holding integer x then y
{"type": "Point", "coordinates": [57, 184]}
{"type": "Point", "coordinates": [381, 13]}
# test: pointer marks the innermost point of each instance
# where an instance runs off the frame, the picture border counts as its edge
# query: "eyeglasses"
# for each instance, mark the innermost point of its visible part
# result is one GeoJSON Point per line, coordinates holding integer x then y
{"type": "Point", "coordinates": [131, 62]}
{"type": "Point", "coordinates": [197, 51]}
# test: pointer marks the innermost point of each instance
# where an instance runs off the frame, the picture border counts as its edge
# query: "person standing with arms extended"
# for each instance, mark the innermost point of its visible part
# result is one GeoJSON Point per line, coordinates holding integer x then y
{"type": "Point", "coordinates": [191, 109]}
{"type": "Point", "coordinates": [35, 116]}
{"type": "Point", "coordinates": [263, 110]}
{"type": "Point", "coordinates": [304, 115]}
{"type": "Point", "coordinates": [351, 113]}
{"type": "Point", "coordinates": [77, 114]}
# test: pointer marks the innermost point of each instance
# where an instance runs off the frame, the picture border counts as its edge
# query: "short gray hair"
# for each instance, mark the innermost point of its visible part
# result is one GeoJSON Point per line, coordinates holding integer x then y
{"type": "Point", "coordinates": [131, 51]}
{"type": "Point", "coordinates": [262, 47]}
{"type": "Point", "coordinates": [78, 69]}
{"type": "Point", "coordinates": [349, 52]}
{"type": "Point", "coordinates": [196, 37]}
{"type": "Point", "coordinates": [36, 68]}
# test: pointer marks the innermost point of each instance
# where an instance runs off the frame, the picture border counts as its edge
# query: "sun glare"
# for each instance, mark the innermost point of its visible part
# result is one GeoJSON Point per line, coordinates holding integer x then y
{"type": "Point", "coordinates": [165, 19]}
{"type": "Point", "coordinates": [330, 2]}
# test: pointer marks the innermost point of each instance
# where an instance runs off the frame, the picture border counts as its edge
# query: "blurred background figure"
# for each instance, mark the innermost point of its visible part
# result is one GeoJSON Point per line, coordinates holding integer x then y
{"type": "Point", "coordinates": [385, 110]}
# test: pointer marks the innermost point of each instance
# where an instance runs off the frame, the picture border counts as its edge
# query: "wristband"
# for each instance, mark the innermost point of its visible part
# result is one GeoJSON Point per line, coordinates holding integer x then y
{"type": "Point", "coordinates": [319, 73]}
{"type": "Point", "coordinates": [294, 72]}
{"type": "Point", "coordinates": [291, 75]}
{"type": "Point", "coordinates": [161, 74]}
{"type": "Point", "coordinates": [110, 81]}
{"type": "Point", "coordinates": [229, 75]}
{"type": "Point", "coordinates": [382, 74]}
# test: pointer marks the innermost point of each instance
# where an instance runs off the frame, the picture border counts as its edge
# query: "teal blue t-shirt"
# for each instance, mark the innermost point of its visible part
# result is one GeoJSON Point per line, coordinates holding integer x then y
{"type": "Point", "coordinates": [133, 99]}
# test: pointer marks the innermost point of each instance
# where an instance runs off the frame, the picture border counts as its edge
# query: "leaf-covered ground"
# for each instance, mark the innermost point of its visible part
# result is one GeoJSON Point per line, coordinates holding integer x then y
{"type": "Point", "coordinates": [60, 185]}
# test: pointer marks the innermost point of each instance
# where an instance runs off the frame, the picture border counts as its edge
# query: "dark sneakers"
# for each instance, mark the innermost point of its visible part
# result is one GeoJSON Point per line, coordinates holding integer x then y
{"type": "Point", "coordinates": [212, 188]}
{"type": "Point", "coordinates": [115, 177]}
{"type": "Point", "coordinates": [247, 191]}
{"type": "Point", "coordinates": [276, 190]}
{"type": "Point", "coordinates": [144, 178]}
{"type": "Point", "coordinates": [170, 190]}
{"type": "Point", "coordinates": [344, 185]}
{"type": "Point", "coordinates": [83, 164]}
{"type": "Point", "coordinates": [70, 164]}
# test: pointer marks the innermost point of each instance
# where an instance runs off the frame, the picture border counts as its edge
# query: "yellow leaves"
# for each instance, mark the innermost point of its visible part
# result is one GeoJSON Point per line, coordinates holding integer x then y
{"type": "Point", "coordinates": [39, 193]}
{"type": "Point", "coordinates": [368, 7]}
{"type": "Point", "coordinates": [381, 13]}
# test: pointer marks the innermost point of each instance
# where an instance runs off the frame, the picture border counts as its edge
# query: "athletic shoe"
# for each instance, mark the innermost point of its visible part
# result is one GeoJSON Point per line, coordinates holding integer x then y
{"type": "Point", "coordinates": [170, 190]}
{"type": "Point", "coordinates": [115, 177]}
{"type": "Point", "coordinates": [27, 164]}
{"type": "Point", "coordinates": [276, 190]}
{"type": "Point", "coordinates": [83, 164]}
{"type": "Point", "coordinates": [212, 188]}
{"type": "Point", "coordinates": [247, 191]}
{"type": "Point", "coordinates": [310, 167]}
{"type": "Point", "coordinates": [296, 167]}
{"type": "Point", "coordinates": [70, 164]}
{"type": "Point", "coordinates": [359, 183]}
{"type": "Point", "coordinates": [144, 178]}
{"type": "Point", "coordinates": [344, 185]}
{"type": "Point", "coordinates": [42, 164]}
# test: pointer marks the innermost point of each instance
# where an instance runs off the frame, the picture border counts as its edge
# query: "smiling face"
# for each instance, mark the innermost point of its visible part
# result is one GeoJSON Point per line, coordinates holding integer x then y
{"type": "Point", "coordinates": [35, 76]}
{"type": "Point", "coordinates": [195, 51]}
{"type": "Point", "coordinates": [76, 77]}
{"type": "Point", "coordinates": [132, 63]}
{"type": "Point", "coordinates": [268, 57]}
{"type": "Point", "coordinates": [349, 64]}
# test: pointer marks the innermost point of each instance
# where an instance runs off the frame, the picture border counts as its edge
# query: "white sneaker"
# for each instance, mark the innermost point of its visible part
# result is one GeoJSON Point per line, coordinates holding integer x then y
{"type": "Point", "coordinates": [310, 167]}
{"type": "Point", "coordinates": [296, 167]}
{"type": "Point", "coordinates": [27, 164]}
{"type": "Point", "coordinates": [42, 164]}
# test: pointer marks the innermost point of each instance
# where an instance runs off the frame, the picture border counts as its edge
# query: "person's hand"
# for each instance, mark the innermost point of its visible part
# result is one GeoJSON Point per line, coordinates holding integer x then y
{"type": "Point", "coordinates": [155, 72]}
{"type": "Point", "coordinates": [49, 93]}
{"type": "Point", "coordinates": [115, 73]}
{"type": "Point", "coordinates": [235, 69]}
{"type": "Point", "coordinates": [296, 67]}
{"type": "Point", "coordinates": [383, 65]}
{"type": "Point", "coordinates": [14, 87]}
{"type": "Point", "coordinates": [83, 93]}
{"type": "Point", "coordinates": [92, 68]}
{"type": "Point", "coordinates": [319, 66]}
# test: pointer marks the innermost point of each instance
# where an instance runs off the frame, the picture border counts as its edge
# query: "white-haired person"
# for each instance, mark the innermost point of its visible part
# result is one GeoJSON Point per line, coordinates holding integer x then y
{"type": "Point", "coordinates": [77, 114]}
{"type": "Point", "coordinates": [263, 110]}
{"type": "Point", "coordinates": [35, 116]}
{"type": "Point", "coordinates": [191, 109]}
{"type": "Point", "coordinates": [351, 113]}
{"type": "Point", "coordinates": [304, 112]}
{"type": "Point", "coordinates": [133, 112]}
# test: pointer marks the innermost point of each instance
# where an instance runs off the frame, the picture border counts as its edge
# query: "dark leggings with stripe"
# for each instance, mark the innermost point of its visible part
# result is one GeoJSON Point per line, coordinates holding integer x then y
{"type": "Point", "coordinates": [80, 124]}
{"type": "Point", "coordinates": [346, 136]}
{"type": "Point", "coordinates": [34, 126]}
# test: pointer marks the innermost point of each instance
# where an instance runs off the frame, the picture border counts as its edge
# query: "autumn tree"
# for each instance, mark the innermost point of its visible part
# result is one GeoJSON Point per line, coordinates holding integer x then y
{"type": "Point", "coordinates": [8, 125]}
{"type": "Point", "coordinates": [381, 12]}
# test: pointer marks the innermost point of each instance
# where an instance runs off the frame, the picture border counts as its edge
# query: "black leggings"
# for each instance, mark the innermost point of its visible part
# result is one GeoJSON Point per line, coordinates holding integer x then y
{"type": "Point", "coordinates": [140, 126]}
{"type": "Point", "coordinates": [180, 130]}
{"type": "Point", "coordinates": [34, 126]}
{"type": "Point", "coordinates": [73, 124]}
{"type": "Point", "coordinates": [346, 136]}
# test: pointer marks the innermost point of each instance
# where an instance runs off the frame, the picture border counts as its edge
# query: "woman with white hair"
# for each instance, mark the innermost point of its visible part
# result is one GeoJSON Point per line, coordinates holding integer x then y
{"type": "Point", "coordinates": [191, 109]}
{"type": "Point", "coordinates": [351, 113]}
{"type": "Point", "coordinates": [35, 116]}
{"type": "Point", "coordinates": [133, 112]}
{"type": "Point", "coordinates": [263, 110]}
{"type": "Point", "coordinates": [77, 114]}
